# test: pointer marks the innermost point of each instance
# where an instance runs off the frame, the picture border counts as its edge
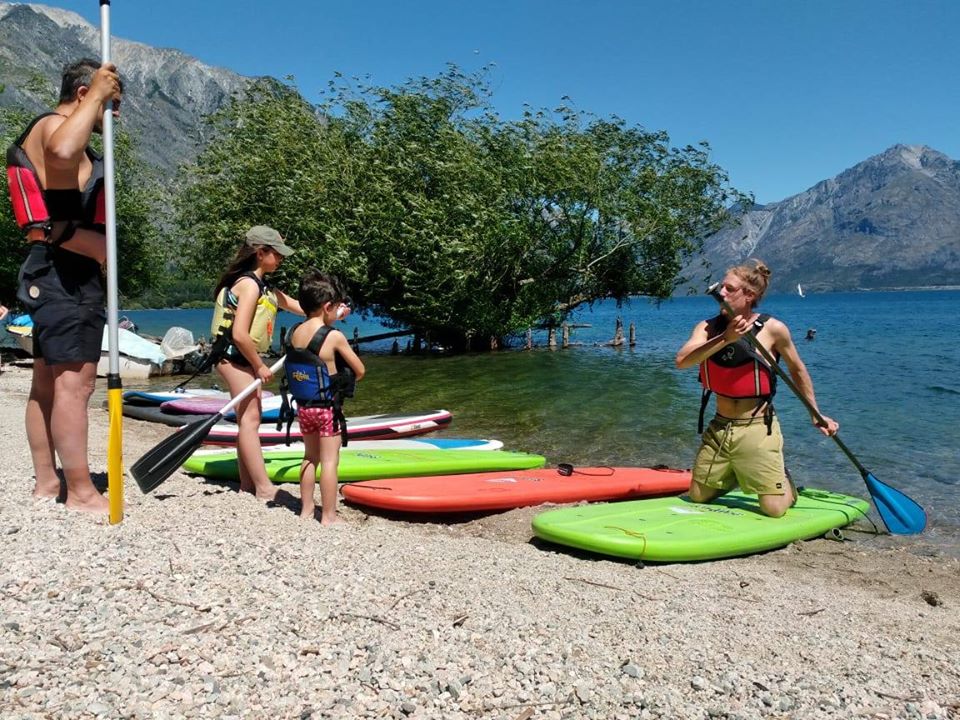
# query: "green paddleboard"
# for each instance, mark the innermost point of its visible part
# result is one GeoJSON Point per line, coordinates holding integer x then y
{"type": "Point", "coordinates": [372, 464]}
{"type": "Point", "coordinates": [676, 530]}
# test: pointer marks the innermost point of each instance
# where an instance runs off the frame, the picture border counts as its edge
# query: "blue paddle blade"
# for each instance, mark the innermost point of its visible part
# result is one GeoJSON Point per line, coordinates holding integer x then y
{"type": "Point", "coordinates": [899, 513]}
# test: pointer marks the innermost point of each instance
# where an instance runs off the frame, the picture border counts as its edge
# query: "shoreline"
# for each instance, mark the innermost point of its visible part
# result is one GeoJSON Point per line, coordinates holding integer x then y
{"type": "Point", "coordinates": [204, 603]}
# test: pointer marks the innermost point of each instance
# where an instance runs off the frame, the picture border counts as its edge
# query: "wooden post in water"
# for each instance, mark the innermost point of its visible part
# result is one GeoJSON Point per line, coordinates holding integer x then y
{"type": "Point", "coordinates": [529, 345]}
{"type": "Point", "coordinates": [565, 336]}
{"type": "Point", "coordinates": [633, 334]}
{"type": "Point", "coordinates": [356, 340]}
{"type": "Point", "coordinates": [618, 333]}
{"type": "Point", "coordinates": [552, 337]}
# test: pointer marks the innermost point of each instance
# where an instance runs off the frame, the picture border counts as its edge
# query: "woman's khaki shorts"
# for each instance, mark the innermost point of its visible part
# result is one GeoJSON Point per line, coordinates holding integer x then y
{"type": "Point", "coordinates": [740, 452]}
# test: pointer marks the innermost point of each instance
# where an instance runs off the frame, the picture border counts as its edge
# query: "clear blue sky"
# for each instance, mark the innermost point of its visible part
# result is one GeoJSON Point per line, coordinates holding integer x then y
{"type": "Point", "coordinates": [787, 93]}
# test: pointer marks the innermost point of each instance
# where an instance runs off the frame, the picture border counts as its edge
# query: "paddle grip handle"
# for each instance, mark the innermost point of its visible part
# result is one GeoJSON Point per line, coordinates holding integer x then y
{"type": "Point", "coordinates": [251, 388]}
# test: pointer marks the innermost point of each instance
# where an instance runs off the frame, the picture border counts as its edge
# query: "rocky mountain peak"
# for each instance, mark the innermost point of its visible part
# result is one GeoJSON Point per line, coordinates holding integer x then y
{"type": "Point", "coordinates": [166, 92]}
{"type": "Point", "coordinates": [892, 220]}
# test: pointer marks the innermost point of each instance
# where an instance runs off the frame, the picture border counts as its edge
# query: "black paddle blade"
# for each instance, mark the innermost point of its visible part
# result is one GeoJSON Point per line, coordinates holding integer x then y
{"type": "Point", "coordinates": [901, 514]}
{"type": "Point", "coordinates": [160, 462]}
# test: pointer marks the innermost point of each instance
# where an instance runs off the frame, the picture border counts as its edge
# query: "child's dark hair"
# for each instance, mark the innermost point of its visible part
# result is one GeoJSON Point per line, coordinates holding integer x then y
{"type": "Point", "coordinates": [243, 262]}
{"type": "Point", "coordinates": [76, 75]}
{"type": "Point", "coordinates": [317, 289]}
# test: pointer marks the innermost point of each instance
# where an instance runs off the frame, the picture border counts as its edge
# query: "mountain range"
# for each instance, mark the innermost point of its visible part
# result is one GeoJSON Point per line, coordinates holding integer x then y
{"type": "Point", "coordinates": [890, 221]}
{"type": "Point", "coordinates": [166, 92]}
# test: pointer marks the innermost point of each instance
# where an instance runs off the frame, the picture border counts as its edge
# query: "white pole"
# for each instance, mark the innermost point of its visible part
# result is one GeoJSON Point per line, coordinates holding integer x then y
{"type": "Point", "coordinates": [114, 384]}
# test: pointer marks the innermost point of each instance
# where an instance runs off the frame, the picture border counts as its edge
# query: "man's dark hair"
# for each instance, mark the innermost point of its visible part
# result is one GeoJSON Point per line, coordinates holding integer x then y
{"type": "Point", "coordinates": [76, 75]}
{"type": "Point", "coordinates": [317, 289]}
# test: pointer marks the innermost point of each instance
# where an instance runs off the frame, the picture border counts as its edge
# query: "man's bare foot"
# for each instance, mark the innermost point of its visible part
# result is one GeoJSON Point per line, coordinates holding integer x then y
{"type": "Point", "coordinates": [49, 489]}
{"type": "Point", "coordinates": [96, 504]}
{"type": "Point", "coordinates": [308, 513]}
{"type": "Point", "coordinates": [265, 495]}
{"type": "Point", "coordinates": [330, 520]}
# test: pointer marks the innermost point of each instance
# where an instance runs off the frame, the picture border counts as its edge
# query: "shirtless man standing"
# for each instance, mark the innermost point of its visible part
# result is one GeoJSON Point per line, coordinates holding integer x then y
{"type": "Point", "coordinates": [56, 188]}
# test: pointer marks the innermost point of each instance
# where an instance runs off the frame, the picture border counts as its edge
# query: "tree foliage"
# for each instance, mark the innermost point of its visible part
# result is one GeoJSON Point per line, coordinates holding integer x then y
{"type": "Point", "coordinates": [273, 161]}
{"type": "Point", "coordinates": [446, 218]}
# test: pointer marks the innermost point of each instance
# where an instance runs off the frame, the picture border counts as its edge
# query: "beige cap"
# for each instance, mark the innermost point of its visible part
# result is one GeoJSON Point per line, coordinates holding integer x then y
{"type": "Point", "coordinates": [263, 236]}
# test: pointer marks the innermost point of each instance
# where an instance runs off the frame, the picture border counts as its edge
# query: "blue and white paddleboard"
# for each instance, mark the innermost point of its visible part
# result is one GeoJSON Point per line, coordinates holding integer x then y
{"type": "Point", "coordinates": [156, 397]}
{"type": "Point", "coordinates": [387, 444]}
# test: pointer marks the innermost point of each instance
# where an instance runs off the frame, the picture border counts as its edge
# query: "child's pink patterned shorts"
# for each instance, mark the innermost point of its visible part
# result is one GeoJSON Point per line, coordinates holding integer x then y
{"type": "Point", "coordinates": [316, 420]}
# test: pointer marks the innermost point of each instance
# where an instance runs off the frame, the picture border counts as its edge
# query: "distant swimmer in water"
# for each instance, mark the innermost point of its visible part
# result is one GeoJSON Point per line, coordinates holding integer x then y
{"type": "Point", "coordinates": [812, 334]}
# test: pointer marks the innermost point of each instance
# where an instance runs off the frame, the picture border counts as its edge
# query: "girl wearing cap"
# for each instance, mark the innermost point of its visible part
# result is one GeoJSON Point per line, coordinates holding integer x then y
{"type": "Point", "coordinates": [243, 320]}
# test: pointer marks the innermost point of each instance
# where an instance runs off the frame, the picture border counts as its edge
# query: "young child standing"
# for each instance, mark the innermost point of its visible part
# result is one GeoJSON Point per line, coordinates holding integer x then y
{"type": "Point", "coordinates": [319, 359]}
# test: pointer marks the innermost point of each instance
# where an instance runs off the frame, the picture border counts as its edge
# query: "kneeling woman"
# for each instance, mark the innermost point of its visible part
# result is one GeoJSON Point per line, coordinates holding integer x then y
{"type": "Point", "coordinates": [244, 315]}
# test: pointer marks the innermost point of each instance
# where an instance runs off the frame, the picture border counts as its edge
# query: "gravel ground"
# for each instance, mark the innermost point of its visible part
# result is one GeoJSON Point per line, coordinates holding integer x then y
{"type": "Point", "coordinates": [205, 603]}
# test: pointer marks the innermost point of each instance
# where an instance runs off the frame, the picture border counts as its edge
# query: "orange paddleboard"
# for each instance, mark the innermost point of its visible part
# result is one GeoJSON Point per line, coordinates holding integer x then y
{"type": "Point", "coordinates": [474, 492]}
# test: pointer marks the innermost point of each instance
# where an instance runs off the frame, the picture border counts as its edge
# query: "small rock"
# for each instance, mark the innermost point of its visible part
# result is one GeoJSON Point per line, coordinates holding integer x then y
{"type": "Point", "coordinates": [698, 683]}
{"type": "Point", "coordinates": [632, 670]}
{"type": "Point", "coordinates": [583, 691]}
{"type": "Point", "coordinates": [99, 708]}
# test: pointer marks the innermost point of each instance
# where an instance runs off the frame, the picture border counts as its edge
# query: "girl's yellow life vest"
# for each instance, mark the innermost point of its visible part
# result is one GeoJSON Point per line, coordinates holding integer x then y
{"type": "Point", "coordinates": [264, 316]}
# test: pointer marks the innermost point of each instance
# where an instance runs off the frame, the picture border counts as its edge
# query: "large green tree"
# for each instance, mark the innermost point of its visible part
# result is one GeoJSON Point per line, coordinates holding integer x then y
{"type": "Point", "coordinates": [446, 218]}
{"type": "Point", "coordinates": [273, 160]}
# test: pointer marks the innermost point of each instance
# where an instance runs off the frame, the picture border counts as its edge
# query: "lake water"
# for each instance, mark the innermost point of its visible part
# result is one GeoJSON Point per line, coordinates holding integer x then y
{"type": "Point", "coordinates": [884, 365]}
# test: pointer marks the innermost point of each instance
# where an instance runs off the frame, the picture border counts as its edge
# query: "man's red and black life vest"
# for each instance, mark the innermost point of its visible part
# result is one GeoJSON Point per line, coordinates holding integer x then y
{"type": "Point", "coordinates": [738, 371]}
{"type": "Point", "coordinates": [37, 208]}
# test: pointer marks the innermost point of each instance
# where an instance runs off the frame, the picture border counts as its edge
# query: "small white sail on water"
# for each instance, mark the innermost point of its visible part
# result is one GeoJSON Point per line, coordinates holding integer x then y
{"type": "Point", "coordinates": [800, 290]}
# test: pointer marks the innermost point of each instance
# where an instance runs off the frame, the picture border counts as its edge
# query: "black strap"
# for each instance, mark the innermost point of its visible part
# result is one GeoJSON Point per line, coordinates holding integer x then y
{"type": "Point", "coordinates": [703, 406]}
{"type": "Point", "coordinates": [261, 283]}
{"type": "Point", "coordinates": [286, 410]}
{"type": "Point", "coordinates": [217, 352]}
{"type": "Point", "coordinates": [319, 337]}
{"type": "Point", "coordinates": [23, 136]}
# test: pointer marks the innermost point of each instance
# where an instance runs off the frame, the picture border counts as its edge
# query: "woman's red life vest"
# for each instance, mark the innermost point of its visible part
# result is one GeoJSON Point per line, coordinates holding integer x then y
{"type": "Point", "coordinates": [35, 207]}
{"type": "Point", "coordinates": [738, 371]}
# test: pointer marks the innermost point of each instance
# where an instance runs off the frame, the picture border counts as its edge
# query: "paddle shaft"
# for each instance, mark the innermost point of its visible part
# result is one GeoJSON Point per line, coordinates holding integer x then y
{"type": "Point", "coordinates": [163, 459]}
{"type": "Point", "coordinates": [772, 362]}
{"type": "Point", "coordinates": [251, 388]}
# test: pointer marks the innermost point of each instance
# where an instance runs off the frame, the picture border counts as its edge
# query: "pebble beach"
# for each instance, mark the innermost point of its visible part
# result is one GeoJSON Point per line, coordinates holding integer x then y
{"type": "Point", "coordinates": [205, 603]}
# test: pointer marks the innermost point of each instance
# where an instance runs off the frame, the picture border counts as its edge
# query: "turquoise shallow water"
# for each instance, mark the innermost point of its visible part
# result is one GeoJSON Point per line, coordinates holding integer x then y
{"type": "Point", "coordinates": [884, 365]}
